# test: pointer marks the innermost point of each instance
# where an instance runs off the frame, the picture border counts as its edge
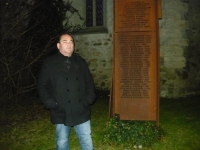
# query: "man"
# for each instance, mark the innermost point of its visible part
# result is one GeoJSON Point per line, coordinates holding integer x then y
{"type": "Point", "coordinates": [66, 87]}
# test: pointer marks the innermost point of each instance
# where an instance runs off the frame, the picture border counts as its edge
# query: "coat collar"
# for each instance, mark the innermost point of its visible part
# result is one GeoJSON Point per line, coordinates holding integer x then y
{"type": "Point", "coordinates": [64, 63]}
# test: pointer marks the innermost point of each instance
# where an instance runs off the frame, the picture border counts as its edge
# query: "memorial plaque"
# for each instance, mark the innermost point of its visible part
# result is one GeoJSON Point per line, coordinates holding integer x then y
{"type": "Point", "coordinates": [136, 66]}
{"type": "Point", "coordinates": [135, 79]}
{"type": "Point", "coordinates": [135, 15]}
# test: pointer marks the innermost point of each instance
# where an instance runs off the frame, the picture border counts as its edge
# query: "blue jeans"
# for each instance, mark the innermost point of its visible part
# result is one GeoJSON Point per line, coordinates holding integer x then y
{"type": "Point", "coordinates": [83, 131]}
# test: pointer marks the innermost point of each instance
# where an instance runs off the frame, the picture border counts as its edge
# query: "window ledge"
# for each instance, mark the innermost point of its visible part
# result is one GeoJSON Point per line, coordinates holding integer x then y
{"type": "Point", "coordinates": [92, 30]}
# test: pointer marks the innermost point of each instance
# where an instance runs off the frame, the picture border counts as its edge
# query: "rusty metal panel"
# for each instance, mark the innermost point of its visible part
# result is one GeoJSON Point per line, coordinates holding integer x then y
{"type": "Point", "coordinates": [135, 15]}
{"type": "Point", "coordinates": [135, 80]}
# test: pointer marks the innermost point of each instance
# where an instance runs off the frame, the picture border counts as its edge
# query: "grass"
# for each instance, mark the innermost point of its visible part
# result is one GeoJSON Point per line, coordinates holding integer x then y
{"type": "Point", "coordinates": [27, 126]}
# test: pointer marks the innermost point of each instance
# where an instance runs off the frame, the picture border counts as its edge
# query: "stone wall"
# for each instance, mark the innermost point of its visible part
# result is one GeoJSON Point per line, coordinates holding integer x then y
{"type": "Point", "coordinates": [179, 49]}
{"type": "Point", "coordinates": [97, 49]}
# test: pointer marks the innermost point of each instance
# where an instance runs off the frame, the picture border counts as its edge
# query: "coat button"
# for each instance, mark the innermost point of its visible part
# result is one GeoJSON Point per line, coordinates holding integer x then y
{"type": "Point", "coordinates": [79, 100]}
{"type": "Point", "coordinates": [69, 101]}
{"type": "Point", "coordinates": [68, 90]}
{"type": "Point", "coordinates": [78, 89]}
{"type": "Point", "coordinates": [76, 78]}
{"type": "Point", "coordinates": [66, 78]}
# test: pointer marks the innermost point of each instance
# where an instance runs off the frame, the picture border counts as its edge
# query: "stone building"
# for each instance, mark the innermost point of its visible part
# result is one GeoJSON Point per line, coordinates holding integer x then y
{"type": "Point", "coordinates": [179, 46]}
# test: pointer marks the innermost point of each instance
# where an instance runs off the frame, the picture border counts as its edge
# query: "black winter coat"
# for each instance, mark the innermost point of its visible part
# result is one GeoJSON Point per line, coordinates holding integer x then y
{"type": "Point", "coordinates": [66, 87]}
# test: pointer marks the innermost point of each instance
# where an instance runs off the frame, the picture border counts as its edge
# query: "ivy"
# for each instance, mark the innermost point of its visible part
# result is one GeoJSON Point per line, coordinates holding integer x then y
{"type": "Point", "coordinates": [135, 134]}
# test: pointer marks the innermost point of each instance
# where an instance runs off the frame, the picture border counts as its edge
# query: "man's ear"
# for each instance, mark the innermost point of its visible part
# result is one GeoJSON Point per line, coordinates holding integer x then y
{"type": "Point", "coordinates": [58, 45]}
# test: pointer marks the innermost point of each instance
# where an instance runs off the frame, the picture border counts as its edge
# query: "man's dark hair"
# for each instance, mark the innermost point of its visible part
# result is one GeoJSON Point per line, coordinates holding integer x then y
{"type": "Point", "coordinates": [58, 41]}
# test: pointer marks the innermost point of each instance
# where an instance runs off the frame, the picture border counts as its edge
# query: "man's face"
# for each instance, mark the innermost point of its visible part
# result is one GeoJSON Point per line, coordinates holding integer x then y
{"type": "Point", "coordinates": [66, 45]}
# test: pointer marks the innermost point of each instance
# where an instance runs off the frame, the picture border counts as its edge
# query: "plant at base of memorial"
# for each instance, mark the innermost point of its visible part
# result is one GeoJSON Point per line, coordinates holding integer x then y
{"type": "Point", "coordinates": [132, 133]}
